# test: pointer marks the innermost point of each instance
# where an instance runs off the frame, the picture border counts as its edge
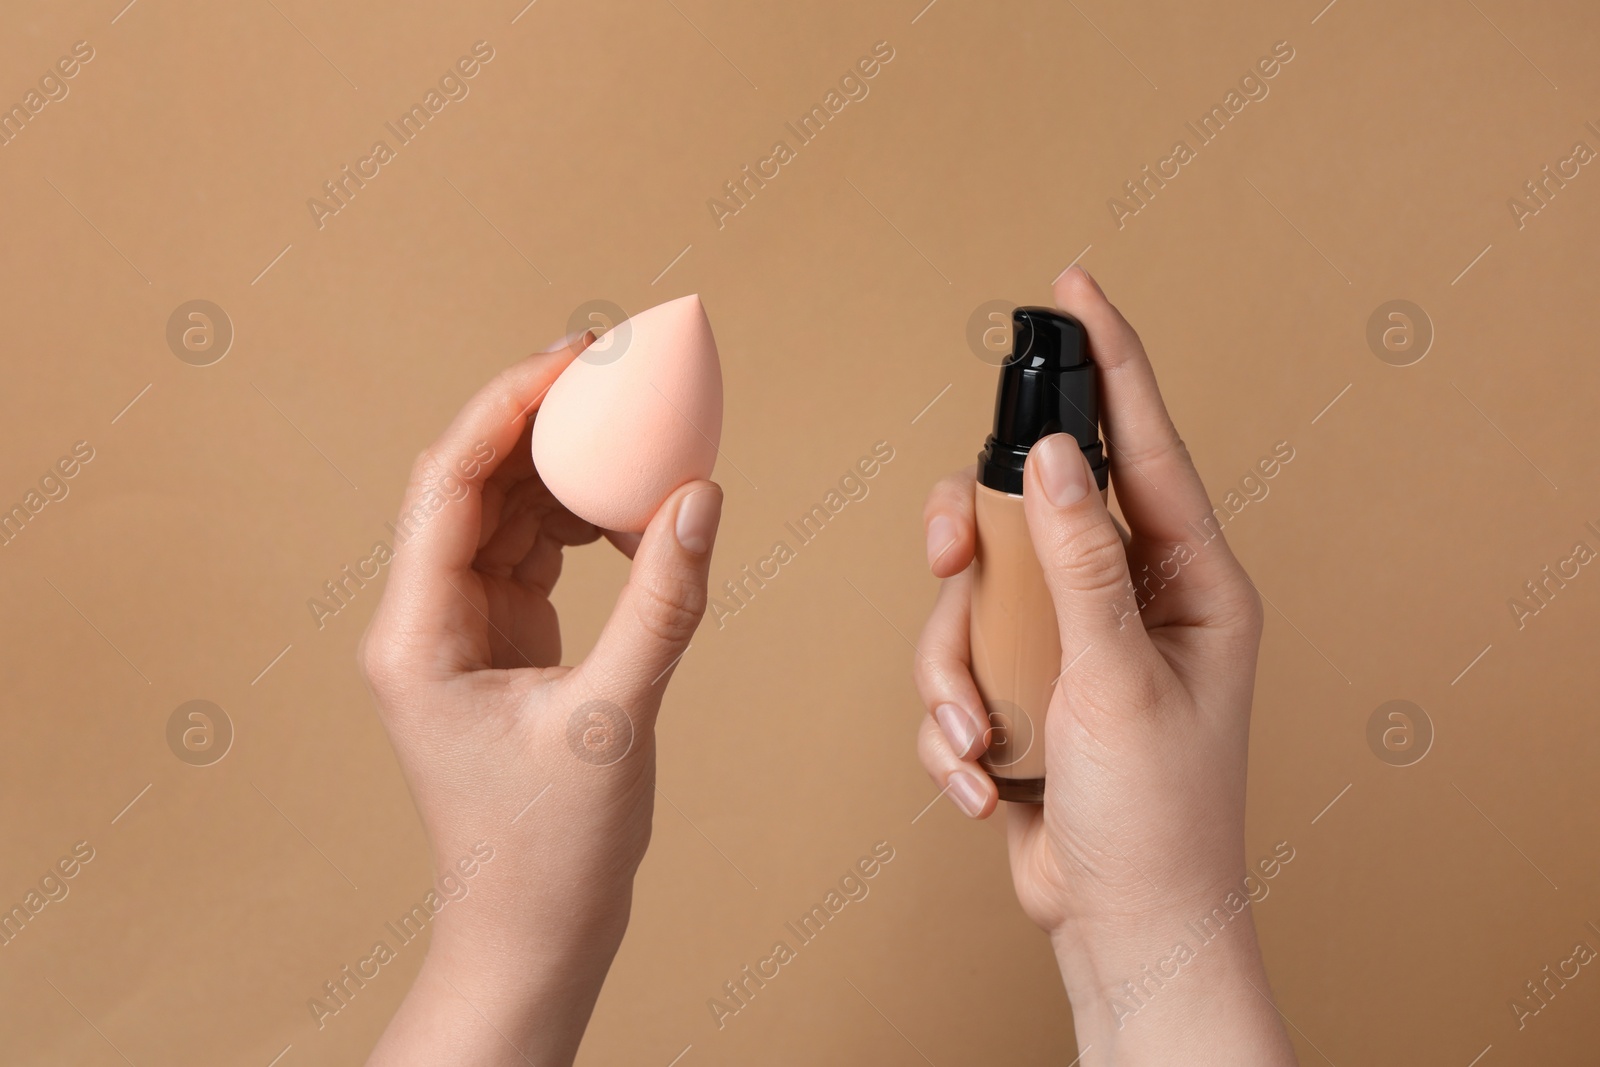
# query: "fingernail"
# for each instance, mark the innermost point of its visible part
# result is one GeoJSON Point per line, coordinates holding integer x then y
{"type": "Point", "coordinates": [957, 727]}
{"type": "Point", "coordinates": [1062, 470]}
{"type": "Point", "coordinates": [1092, 282]}
{"type": "Point", "coordinates": [941, 536]}
{"type": "Point", "coordinates": [698, 516]}
{"type": "Point", "coordinates": [966, 792]}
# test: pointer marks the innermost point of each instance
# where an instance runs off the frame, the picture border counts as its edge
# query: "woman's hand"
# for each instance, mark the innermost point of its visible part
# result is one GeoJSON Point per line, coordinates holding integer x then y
{"type": "Point", "coordinates": [1142, 827]}
{"type": "Point", "coordinates": [547, 771]}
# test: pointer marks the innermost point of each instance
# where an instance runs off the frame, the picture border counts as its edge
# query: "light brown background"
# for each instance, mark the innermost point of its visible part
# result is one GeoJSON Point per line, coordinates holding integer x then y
{"type": "Point", "coordinates": [979, 167]}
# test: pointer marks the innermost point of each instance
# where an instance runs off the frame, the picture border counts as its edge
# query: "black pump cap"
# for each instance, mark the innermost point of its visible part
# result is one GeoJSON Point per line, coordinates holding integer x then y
{"type": "Point", "coordinates": [1047, 385]}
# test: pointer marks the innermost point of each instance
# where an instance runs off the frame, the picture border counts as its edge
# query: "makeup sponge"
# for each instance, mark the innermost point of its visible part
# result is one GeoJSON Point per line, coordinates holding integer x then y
{"type": "Point", "coordinates": [638, 414]}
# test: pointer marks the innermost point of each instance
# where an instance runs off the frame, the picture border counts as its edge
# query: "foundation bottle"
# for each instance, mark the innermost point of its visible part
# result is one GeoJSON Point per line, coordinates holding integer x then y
{"type": "Point", "coordinates": [1047, 386]}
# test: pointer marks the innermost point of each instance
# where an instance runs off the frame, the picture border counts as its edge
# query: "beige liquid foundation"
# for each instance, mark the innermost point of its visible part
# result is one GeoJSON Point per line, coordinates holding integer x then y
{"type": "Point", "coordinates": [1047, 385]}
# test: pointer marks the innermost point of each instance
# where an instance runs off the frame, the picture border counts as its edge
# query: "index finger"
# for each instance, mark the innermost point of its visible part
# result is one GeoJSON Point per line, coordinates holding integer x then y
{"type": "Point", "coordinates": [1156, 481]}
{"type": "Point", "coordinates": [439, 529]}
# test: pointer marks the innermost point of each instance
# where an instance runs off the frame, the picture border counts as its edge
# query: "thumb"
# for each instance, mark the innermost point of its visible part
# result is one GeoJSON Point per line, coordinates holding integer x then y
{"type": "Point", "coordinates": [1081, 552]}
{"type": "Point", "coordinates": [661, 605]}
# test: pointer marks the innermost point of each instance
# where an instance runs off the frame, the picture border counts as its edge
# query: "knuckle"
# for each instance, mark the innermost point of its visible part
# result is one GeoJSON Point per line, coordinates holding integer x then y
{"type": "Point", "coordinates": [1148, 689]}
{"type": "Point", "coordinates": [1091, 559]}
{"type": "Point", "coordinates": [928, 748]}
{"type": "Point", "coordinates": [1167, 445]}
{"type": "Point", "coordinates": [1137, 690]}
{"type": "Point", "coordinates": [669, 609]}
{"type": "Point", "coordinates": [1241, 605]}
{"type": "Point", "coordinates": [424, 468]}
{"type": "Point", "coordinates": [380, 662]}
{"type": "Point", "coordinates": [919, 670]}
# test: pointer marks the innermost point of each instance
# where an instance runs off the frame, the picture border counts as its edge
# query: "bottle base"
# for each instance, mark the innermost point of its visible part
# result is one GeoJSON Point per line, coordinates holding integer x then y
{"type": "Point", "coordinates": [1020, 790]}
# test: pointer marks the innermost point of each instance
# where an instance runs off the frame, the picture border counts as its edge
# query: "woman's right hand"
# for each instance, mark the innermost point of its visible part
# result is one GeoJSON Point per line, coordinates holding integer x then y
{"type": "Point", "coordinates": [1142, 828]}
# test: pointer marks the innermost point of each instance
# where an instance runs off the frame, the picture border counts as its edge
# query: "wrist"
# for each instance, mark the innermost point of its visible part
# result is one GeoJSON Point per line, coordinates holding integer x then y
{"type": "Point", "coordinates": [491, 1001]}
{"type": "Point", "coordinates": [1187, 980]}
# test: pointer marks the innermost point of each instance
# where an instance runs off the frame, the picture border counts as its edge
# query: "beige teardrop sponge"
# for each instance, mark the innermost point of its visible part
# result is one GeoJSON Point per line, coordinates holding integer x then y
{"type": "Point", "coordinates": [634, 417]}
